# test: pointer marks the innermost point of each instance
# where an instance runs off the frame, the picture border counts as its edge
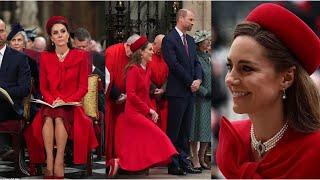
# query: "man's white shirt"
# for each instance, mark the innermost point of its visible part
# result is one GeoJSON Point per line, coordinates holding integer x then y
{"type": "Point", "coordinates": [2, 53]}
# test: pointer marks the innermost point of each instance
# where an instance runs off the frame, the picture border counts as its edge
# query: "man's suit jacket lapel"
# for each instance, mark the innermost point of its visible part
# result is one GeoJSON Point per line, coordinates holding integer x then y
{"type": "Point", "coordinates": [180, 43]}
{"type": "Point", "coordinates": [178, 38]}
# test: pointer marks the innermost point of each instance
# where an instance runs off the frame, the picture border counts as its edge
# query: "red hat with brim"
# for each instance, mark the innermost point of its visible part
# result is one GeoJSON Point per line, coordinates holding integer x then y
{"type": "Point", "coordinates": [138, 43]}
{"type": "Point", "coordinates": [53, 20]}
{"type": "Point", "coordinates": [292, 31]}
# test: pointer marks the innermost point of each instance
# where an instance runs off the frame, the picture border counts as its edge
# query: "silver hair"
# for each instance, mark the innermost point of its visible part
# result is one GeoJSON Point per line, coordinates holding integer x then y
{"type": "Point", "coordinates": [24, 35]}
{"type": "Point", "coordinates": [40, 38]}
{"type": "Point", "coordinates": [132, 38]}
{"type": "Point", "coordinates": [159, 36]}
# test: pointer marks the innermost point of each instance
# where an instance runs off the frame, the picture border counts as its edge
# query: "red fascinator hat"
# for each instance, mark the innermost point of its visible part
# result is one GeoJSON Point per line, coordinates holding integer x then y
{"type": "Point", "coordinates": [53, 20]}
{"type": "Point", "coordinates": [292, 31]}
{"type": "Point", "coordinates": [138, 43]}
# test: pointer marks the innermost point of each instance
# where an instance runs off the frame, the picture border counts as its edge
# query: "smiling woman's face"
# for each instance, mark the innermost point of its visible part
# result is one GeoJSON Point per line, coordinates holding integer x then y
{"type": "Point", "coordinates": [251, 78]}
{"type": "Point", "coordinates": [146, 54]}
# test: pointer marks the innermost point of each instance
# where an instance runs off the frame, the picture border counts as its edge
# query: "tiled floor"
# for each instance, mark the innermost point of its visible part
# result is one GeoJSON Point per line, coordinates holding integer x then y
{"type": "Point", "coordinates": [7, 171]}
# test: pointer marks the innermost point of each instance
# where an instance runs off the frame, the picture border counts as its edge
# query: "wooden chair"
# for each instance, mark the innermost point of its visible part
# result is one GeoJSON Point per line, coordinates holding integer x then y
{"type": "Point", "coordinates": [15, 127]}
{"type": "Point", "coordinates": [90, 105]}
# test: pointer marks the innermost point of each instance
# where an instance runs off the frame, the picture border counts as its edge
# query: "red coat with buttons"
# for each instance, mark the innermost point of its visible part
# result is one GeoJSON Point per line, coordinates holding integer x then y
{"type": "Point", "coordinates": [67, 80]}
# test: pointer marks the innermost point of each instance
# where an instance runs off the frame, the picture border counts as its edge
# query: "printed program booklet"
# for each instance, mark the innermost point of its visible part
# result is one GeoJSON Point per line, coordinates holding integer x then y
{"type": "Point", "coordinates": [57, 105]}
{"type": "Point", "coordinates": [5, 95]}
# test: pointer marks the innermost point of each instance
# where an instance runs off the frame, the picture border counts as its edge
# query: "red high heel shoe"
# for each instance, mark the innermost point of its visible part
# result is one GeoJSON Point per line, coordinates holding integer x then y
{"type": "Point", "coordinates": [114, 167]}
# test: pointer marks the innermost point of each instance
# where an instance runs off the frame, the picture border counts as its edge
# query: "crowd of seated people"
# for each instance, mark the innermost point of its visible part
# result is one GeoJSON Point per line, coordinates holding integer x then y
{"type": "Point", "coordinates": [35, 66]}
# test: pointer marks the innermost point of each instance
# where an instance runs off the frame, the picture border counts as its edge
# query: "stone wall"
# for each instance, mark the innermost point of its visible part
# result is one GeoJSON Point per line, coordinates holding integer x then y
{"type": "Point", "coordinates": [202, 10]}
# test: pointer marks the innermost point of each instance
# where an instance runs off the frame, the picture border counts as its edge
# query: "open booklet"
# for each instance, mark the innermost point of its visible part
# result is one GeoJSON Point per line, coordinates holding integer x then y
{"type": "Point", "coordinates": [56, 105]}
{"type": "Point", "coordinates": [5, 95]}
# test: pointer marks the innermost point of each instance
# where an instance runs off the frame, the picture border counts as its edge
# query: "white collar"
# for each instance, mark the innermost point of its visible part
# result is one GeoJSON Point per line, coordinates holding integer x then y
{"type": "Point", "coordinates": [3, 50]}
{"type": "Point", "coordinates": [179, 32]}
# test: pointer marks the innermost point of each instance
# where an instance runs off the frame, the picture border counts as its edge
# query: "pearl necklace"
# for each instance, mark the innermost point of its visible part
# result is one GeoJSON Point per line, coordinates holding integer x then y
{"type": "Point", "coordinates": [262, 148]}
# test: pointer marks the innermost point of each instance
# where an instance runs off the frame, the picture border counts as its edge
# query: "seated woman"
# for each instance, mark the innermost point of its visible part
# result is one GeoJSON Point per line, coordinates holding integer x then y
{"type": "Point", "coordinates": [140, 143]}
{"type": "Point", "coordinates": [270, 60]}
{"type": "Point", "coordinates": [18, 40]}
{"type": "Point", "coordinates": [63, 78]}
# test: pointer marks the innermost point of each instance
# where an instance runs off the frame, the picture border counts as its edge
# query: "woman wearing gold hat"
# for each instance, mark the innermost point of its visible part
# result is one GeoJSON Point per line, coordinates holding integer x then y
{"type": "Point", "coordinates": [271, 57]}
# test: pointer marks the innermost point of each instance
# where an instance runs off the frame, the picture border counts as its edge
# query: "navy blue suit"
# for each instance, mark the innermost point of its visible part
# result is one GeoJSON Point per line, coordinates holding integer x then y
{"type": "Point", "coordinates": [15, 78]}
{"type": "Point", "coordinates": [184, 68]}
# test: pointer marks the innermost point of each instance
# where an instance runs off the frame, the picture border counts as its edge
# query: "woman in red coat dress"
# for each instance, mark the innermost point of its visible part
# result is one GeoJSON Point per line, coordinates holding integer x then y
{"type": "Point", "coordinates": [271, 57]}
{"type": "Point", "coordinates": [140, 143]}
{"type": "Point", "coordinates": [63, 78]}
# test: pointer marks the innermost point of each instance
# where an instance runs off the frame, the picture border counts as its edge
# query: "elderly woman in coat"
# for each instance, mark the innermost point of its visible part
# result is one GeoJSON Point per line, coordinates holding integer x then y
{"type": "Point", "coordinates": [200, 125]}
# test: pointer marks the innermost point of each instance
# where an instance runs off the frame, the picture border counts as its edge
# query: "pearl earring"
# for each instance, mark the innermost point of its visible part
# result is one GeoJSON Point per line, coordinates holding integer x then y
{"type": "Point", "coordinates": [236, 81]}
{"type": "Point", "coordinates": [284, 96]}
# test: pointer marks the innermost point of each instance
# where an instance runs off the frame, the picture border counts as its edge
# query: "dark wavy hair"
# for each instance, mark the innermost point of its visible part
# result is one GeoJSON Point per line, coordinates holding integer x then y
{"type": "Point", "coordinates": [50, 45]}
{"type": "Point", "coordinates": [302, 105]}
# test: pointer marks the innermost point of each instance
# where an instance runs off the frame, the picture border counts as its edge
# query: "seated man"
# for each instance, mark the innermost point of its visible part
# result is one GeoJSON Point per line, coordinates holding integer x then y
{"type": "Point", "coordinates": [82, 40]}
{"type": "Point", "coordinates": [15, 78]}
{"type": "Point", "coordinates": [39, 44]}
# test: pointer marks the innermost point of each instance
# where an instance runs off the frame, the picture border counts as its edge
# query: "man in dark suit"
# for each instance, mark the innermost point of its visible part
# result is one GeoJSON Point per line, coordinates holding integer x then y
{"type": "Point", "coordinates": [15, 78]}
{"type": "Point", "coordinates": [81, 40]}
{"type": "Point", "coordinates": [185, 74]}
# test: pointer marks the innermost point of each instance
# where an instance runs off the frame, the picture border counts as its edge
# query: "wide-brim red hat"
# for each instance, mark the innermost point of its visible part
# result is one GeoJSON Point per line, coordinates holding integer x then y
{"type": "Point", "coordinates": [292, 31]}
{"type": "Point", "coordinates": [138, 43]}
{"type": "Point", "coordinates": [53, 20]}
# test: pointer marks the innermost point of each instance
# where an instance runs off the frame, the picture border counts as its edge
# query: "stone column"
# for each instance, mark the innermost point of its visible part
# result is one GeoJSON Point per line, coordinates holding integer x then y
{"type": "Point", "coordinates": [27, 12]}
{"type": "Point", "coordinates": [202, 10]}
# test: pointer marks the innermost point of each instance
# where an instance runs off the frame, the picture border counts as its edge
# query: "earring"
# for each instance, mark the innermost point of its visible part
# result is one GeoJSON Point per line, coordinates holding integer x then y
{"type": "Point", "coordinates": [284, 96]}
{"type": "Point", "coordinates": [236, 81]}
{"type": "Point", "coordinates": [52, 43]}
